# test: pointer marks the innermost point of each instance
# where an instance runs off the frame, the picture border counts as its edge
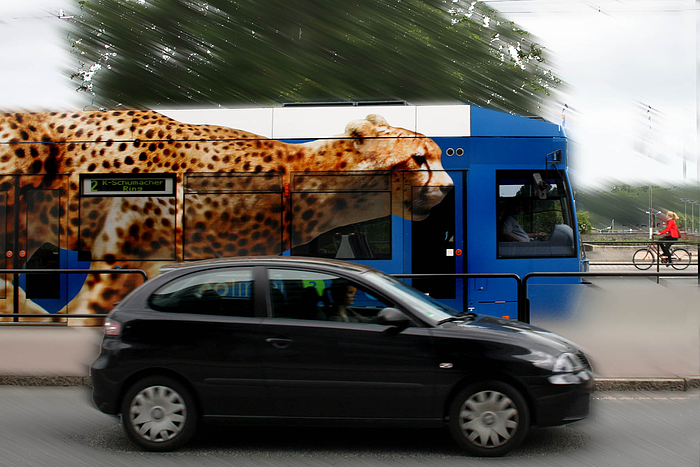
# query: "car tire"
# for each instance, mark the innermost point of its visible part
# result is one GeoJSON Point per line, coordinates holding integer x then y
{"type": "Point", "coordinates": [159, 414]}
{"type": "Point", "coordinates": [489, 418]}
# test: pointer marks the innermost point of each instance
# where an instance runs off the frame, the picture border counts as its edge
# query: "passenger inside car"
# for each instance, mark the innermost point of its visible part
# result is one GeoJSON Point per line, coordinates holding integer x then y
{"type": "Point", "coordinates": [343, 295]}
{"type": "Point", "coordinates": [307, 304]}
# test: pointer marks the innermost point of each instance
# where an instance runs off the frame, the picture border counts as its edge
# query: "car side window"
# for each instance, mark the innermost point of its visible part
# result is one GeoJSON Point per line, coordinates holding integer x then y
{"type": "Point", "coordinates": [317, 296]}
{"type": "Point", "coordinates": [223, 292]}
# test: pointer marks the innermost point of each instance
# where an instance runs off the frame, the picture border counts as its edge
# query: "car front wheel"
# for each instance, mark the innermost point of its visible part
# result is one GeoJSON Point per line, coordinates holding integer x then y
{"type": "Point", "coordinates": [489, 418]}
{"type": "Point", "coordinates": [159, 414]}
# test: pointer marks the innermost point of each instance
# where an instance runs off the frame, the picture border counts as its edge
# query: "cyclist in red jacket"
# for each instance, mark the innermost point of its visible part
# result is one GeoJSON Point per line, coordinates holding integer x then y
{"type": "Point", "coordinates": [672, 231]}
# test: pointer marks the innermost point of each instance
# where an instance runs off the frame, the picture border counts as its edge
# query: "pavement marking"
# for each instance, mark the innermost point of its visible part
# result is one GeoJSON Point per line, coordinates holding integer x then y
{"type": "Point", "coordinates": [643, 398]}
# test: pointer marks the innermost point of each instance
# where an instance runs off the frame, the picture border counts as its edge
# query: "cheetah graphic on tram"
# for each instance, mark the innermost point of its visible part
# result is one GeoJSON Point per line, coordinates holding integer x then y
{"type": "Point", "coordinates": [56, 148]}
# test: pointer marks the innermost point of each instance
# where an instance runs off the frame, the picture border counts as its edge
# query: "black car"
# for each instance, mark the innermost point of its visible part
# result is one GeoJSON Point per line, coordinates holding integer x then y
{"type": "Point", "coordinates": [310, 341]}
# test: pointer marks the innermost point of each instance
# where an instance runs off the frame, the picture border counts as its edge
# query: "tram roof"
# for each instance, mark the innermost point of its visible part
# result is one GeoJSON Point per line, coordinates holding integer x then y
{"type": "Point", "coordinates": [312, 122]}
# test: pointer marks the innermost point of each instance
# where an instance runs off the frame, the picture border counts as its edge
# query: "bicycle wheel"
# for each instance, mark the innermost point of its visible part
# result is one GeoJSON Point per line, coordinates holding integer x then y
{"type": "Point", "coordinates": [643, 259]}
{"type": "Point", "coordinates": [680, 258]}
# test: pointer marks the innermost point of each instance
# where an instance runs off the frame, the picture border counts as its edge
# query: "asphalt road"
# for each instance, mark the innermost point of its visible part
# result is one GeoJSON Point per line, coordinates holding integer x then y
{"type": "Point", "coordinates": [59, 426]}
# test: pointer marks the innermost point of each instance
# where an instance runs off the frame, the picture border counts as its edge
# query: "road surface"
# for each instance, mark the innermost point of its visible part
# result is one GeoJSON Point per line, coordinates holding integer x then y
{"type": "Point", "coordinates": [59, 426]}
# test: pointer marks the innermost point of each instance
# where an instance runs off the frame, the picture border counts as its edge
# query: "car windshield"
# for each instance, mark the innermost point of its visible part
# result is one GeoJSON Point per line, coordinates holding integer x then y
{"type": "Point", "coordinates": [415, 299]}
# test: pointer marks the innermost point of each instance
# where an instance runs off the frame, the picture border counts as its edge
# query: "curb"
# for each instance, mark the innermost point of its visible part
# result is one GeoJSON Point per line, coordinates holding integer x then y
{"type": "Point", "coordinates": [601, 384]}
{"type": "Point", "coordinates": [24, 380]}
{"type": "Point", "coordinates": [647, 384]}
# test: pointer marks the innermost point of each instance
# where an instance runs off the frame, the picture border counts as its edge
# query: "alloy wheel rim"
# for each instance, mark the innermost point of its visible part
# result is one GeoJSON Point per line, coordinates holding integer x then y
{"type": "Point", "coordinates": [157, 414]}
{"type": "Point", "coordinates": [488, 419]}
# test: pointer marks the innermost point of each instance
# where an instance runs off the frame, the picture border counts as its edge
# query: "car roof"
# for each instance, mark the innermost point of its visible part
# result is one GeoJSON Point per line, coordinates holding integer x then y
{"type": "Point", "coordinates": [268, 261]}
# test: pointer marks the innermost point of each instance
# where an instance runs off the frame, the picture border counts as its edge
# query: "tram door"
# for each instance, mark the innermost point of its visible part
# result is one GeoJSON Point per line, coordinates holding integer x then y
{"type": "Point", "coordinates": [32, 217]}
{"type": "Point", "coordinates": [436, 244]}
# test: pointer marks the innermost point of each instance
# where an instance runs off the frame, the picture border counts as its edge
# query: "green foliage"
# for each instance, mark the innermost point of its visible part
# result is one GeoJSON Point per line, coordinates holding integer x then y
{"type": "Point", "coordinates": [628, 190]}
{"type": "Point", "coordinates": [628, 206]}
{"type": "Point", "coordinates": [547, 215]}
{"type": "Point", "coordinates": [584, 223]}
{"type": "Point", "coordinates": [138, 53]}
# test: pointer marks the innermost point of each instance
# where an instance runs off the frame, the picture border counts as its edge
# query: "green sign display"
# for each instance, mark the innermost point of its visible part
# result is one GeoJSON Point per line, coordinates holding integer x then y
{"type": "Point", "coordinates": [127, 184]}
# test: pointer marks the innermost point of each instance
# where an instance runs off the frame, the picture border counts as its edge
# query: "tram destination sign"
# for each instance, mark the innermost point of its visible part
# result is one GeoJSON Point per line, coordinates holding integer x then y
{"type": "Point", "coordinates": [127, 186]}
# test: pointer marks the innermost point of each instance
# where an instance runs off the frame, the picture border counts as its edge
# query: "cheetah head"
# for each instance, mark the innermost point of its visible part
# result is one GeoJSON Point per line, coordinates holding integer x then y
{"type": "Point", "coordinates": [419, 182]}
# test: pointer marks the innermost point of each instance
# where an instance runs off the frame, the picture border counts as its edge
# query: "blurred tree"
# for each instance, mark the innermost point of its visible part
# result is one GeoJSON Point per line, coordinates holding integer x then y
{"type": "Point", "coordinates": [145, 53]}
{"type": "Point", "coordinates": [584, 223]}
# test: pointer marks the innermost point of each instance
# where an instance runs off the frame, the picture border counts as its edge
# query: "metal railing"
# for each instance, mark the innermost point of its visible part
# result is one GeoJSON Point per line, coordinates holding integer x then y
{"type": "Point", "coordinates": [524, 306]}
{"type": "Point", "coordinates": [642, 244]}
{"type": "Point", "coordinates": [140, 272]}
{"type": "Point", "coordinates": [522, 295]}
{"type": "Point", "coordinates": [523, 301]}
{"type": "Point", "coordinates": [692, 247]}
{"type": "Point", "coordinates": [520, 290]}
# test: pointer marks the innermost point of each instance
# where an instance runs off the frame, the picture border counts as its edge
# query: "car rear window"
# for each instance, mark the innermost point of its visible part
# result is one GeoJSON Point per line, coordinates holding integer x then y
{"type": "Point", "coordinates": [225, 292]}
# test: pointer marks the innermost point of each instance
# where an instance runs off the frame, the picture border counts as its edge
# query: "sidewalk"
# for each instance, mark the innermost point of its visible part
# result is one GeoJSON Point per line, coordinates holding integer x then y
{"type": "Point", "coordinates": [61, 356]}
{"type": "Point", "coordinates": [34, 355]}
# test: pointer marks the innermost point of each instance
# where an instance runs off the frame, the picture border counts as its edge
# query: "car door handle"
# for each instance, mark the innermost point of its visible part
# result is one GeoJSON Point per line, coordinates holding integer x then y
{"type": "Point", "coordinates": [278, 342]}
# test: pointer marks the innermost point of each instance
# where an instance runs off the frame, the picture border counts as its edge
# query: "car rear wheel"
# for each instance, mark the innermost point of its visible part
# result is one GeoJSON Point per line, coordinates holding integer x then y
{"type": "Point", "coordinates": [159, 414]}
{"type": "Point", "coordinates": [489, 418]}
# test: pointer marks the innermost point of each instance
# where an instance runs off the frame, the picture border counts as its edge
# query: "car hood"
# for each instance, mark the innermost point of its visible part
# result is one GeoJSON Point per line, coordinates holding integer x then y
{"type": "Point", "coordinates": [491, 328]}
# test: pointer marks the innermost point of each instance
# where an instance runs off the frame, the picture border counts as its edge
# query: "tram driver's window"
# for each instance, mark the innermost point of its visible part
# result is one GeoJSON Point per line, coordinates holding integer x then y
{"type": "Point", "coordinates": [535, 217]}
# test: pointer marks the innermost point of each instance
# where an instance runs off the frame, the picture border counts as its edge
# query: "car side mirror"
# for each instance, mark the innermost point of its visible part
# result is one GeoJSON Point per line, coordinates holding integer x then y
{"type": "Point", "coordinates": [392, 317]}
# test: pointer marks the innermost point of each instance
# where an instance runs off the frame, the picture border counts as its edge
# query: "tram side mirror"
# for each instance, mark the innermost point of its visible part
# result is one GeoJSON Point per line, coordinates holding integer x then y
{"type": "Point", "coordinates": [554, 156]}
{"type": "Point", "coordinates": [541, 187]}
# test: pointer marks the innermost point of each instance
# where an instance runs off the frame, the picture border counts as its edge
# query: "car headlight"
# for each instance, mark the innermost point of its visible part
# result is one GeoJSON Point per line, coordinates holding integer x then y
{"type": "Point", "coordinates": [540, 359]}
{"type": "Point", "coordinates": [567, 363]}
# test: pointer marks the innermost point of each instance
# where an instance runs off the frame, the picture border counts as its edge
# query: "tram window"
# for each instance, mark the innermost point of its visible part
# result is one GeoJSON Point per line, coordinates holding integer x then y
{"type": "Point", "coordinates": [343, 195]}
{"type": "Point", "coordinates": [44, 285]}
{"type": "Point", "coordinates": [146, 227]}
{"type": "Point", "coordinates": [3, 229]}
{"type": "Point", "coordinates": [533, 220]}
{"type": "Point", "coordinates": [231, 224]}
{"type": "Point", "coordinates": [361, 240]}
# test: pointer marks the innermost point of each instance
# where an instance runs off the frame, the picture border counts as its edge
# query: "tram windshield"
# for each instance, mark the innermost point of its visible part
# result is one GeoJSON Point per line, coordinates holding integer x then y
{"type": "Point", "coordinates": [535, 216]}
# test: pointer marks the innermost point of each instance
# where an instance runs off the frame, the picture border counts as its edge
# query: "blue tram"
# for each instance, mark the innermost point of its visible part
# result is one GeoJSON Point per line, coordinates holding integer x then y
{"type": "Point", "coordinates": [405, 189]}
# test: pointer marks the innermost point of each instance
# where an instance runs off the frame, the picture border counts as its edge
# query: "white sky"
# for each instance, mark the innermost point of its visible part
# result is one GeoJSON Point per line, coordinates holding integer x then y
{"type": "Point", "coordinates": [618, 56]}
{"type": "Point", "coordinates": [33, 52]}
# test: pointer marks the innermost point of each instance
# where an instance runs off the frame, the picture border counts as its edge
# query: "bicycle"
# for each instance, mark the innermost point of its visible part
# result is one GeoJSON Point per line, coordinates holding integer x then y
{"type": "Point", "coordinates": [644, 258]}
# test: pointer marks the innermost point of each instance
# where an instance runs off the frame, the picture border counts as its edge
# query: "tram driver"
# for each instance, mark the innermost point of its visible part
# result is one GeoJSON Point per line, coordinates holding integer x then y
{"type": "Point", "coordinates": [510, 229]}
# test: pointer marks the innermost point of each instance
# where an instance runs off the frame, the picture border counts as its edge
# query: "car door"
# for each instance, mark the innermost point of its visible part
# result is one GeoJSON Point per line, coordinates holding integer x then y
{"type": "Point", "coordinates": [318, 365]}
{"type": "Point", "coordinates": [211, 334]}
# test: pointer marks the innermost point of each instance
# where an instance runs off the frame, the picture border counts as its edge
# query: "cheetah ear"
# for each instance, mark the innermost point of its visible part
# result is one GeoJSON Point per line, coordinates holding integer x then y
{"type": "Point", "coordinates": [361, 129]}
{"type": "Point", "coordinates": [367, 128]}
{"type": "Point", "coordinates": [377, 120]}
